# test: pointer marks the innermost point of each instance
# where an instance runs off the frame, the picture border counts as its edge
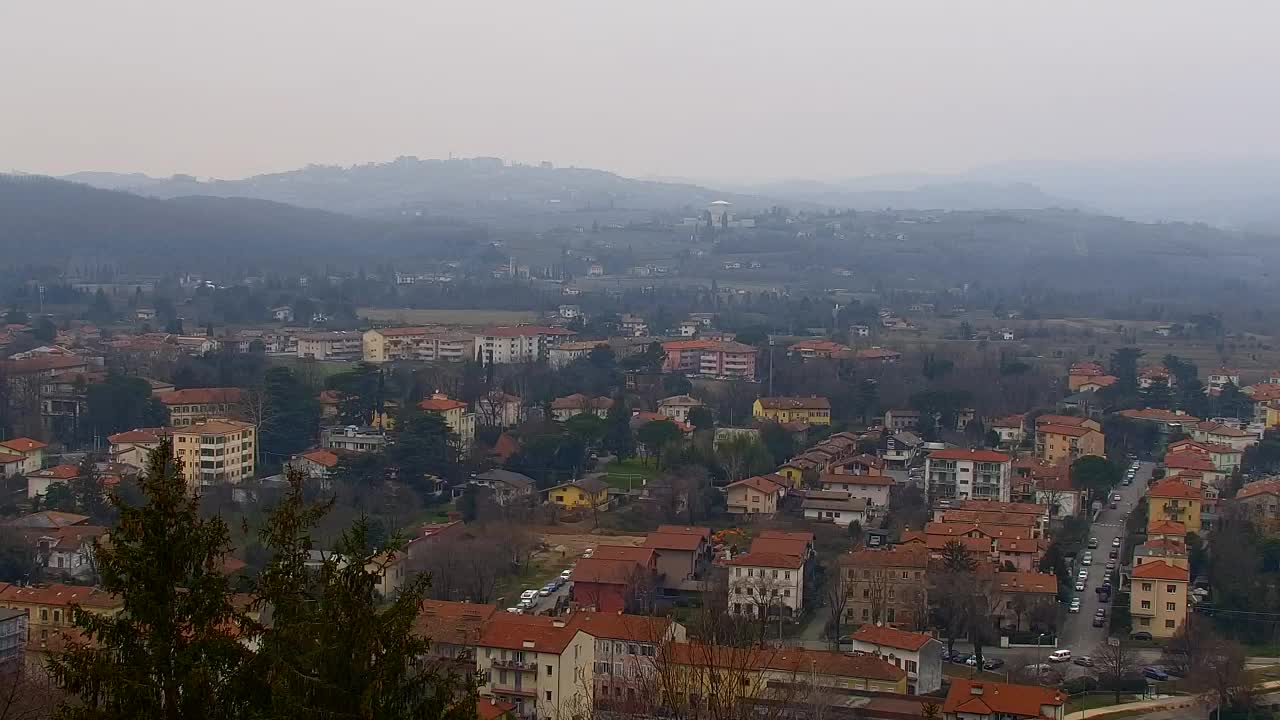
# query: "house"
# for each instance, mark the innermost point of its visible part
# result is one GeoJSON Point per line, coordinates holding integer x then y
{"type": "Point", "coordinates": [683, 556]}
{"type": "Point", "coordinates": [1082, 373]}
{"type": "Point", "coordinates": [587, 493]}
{"type": "Point", "coordinates": [1175, 500]}
{"type": "Point", "coordinates": [1166, 421]}
{"type": "Point", "coordinates": [38, 482]}
{"type": "Point", "coordinates": [62, 543]}
{"type": "Point", "coordinates": [506, 486]}
{"type": "Point", "coordinates": [626, 652]}
{"type": "Point", "coordinates": [13, 639]}
{"type": "Point", "coordinates": [317, 463]}
{"type": "Point", "coordinates": [763, 585]}
{"type": "Point", "coordinates": [455, 415]}
{"type": "Point", "coordinates": [634, 326]}
{"type": "Point", "coordinates": [216, 451]}
{"type": "Point", "coordinates": [901, 419]}
{"type": "Point", "coordinates": [1169, 549]}
{"type": "Point", "coordinates": [48, 606]}
{"type": "Point", "coordinates": [809, 349]}
{"type": "Point", "coordinates": [835, 507]}
{"type": "Point", "coordinates": [917, 653]}
{"type": "Point", "coordinates": [754, 496]}
{"type": "Point", "coordinates": [1261, 499]}
{"type": "Point", "coordinates": [283, 314]}
{"type": "Point", "coordinates": [616, 579]}
{"type": "Point", "coordinates": [1262, 395]}
{"type": "Point", "coordinates": [958, 474]}
{"type": "Point", "coordinates": [1024, 596]}
{"type": "Point", "coordinates": [517, 344]}
{"type": "Point", "coordinates": [886, 586]}
{"type": "Point", "coordinates": [812, 410]}
{"type": "Point", "coordinates": [454, 629]}
{"type": "Point", "coordinates": [1222, 434]}
{"type": "Point", "coordinates": [690, 328]}
{"type": "Point", "coordinates": [877, 356]}
{"type": "Point", "coordinates": [1158, 598]}
{"type": "Point", "coordinates": [353, 438]}
{"type": "Point", "coordinates": [538, 663]}
{"type": "Point", "coordinates": [10, 464]}
{"type": "Point", "coordinates": [498, 409]}
{"type": "Point", "coordinates": [1065, 438]}
{"type": "Point", "coordinates": [335, 345]}
{"type": "Point", "coordinates": [190, 406]}
{"type": "Point", "coordinates": [131, 447]}
{"type": "Point", "coordinates": [677, 407]}
{"type": "Point", "coordinates": [564, 408]}
{"type": "Point", "coordinates": [1224, 458]}
{"type": "Point", "coordinates": [1222, 377]}
{"type": "Point", "coordinates": [567, 352]}
{"type": "Point", "coordinates": [31, 452]}
{"type": "Point", "coordinates": [1011, 430]}
{"type": "Point", "coordinates": [1048, 486]}
{"type": "Point", "coordinates": [984, 700]}
{"type": "Point", "coordinates": [1187, 459]}
{"type": "Point", "coordinates": [875, 489]}
{"type": "Point", "coordinates": [756, 674]}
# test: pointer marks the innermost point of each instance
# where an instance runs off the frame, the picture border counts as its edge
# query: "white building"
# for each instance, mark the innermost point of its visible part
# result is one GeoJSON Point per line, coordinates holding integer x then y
{"type": "Point", "coordinates": [958, 474]}
{"type": "Point", "coordinates": [874, 489]}
{"type": "Point", "coordinates": [834, 506]}
{"type": "Point", "coordinates": [335, 345]}
{"type": "Point", "coordinates": [517, 344]}
{"type": "Point", "coordinates": [567, 352]}
{"type": "Point", "coordinates": [677, 407]}
{"type": "Point", "coordinates": [541, 664]}
{"type": "Point", "coordinates": [766, 584]}
{"type": "Point", "coordinates": [917, 653]}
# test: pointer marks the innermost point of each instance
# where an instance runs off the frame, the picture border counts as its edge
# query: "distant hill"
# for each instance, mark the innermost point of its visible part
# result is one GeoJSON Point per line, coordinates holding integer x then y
{"type": "Point", "coordinates": [914, 192]}
{"type": "Point", "coordinates": [477, 188]}
{"type": "Point", "coordinates": [48, 220]}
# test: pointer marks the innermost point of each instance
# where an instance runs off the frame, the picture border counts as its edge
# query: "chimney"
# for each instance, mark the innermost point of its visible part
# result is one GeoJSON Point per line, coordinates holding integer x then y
{"type": "Point", "coordinates": [557, 623]}
{"type": "Point", "coordinates": [493, 701]}
{"type": "Point", "coordinates": [975, 689]}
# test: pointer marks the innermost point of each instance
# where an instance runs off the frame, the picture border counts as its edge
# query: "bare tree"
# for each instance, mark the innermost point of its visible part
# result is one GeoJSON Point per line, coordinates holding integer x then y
{"type": "Point", "coordinates": [1220, 675]}
{"type": "Point", "coordinates": [28, 693]}
{"type": "Point", "coordinates": [1114, 664]}
{"type": "Point", "coordinates": [837, 600]}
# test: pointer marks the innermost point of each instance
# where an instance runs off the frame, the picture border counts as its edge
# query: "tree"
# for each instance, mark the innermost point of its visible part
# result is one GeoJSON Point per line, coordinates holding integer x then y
{"type": "Point", "coordinates": [1124, 365]}
{"type": "Point", "coordinates": [701, 419]}
{"type": "Point", "coordinates": [778, 442]}
{"type": "Point", "coordinates": [286, 414]}
{"type": "Point", "coordinates": [362, 393]}
{"type": "Point", "coordinates": [331, 650]}
{"type": "Point", "coordinates": [44, 330]}
{"type": "Point", "coordinates": [122, 403]}
{"type": "Point", "coordinates": [617, 436]}
{"type": "Point", "coordinates": [171, 651]}
{"type": "Point", "coordinates": [1116, 664]}
{"type": "Point", "coordinates": [657, 435]}
{"type": "Point", "coordinates": [1095, 474]}
{"type": "Point", "coordinates": [855, 533]}
{"type": "Point", "coordinates": [743, 456]}
{"type": "Point", "coordinates": [956, 558]}
{"type": "Point", "coordinates": [1156, 394]}
{"type": "Point", "coordinates": [424, 445]}
{"type": "Point", "coordinates": [100, 310]}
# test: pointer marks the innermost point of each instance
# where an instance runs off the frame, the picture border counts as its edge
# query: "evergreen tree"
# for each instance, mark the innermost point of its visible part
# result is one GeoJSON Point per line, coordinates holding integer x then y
{"type": "Point", "coordinates": [617, 436]}
{"type": "Point", "coordinates": [1156, 394]}
{"type": "Point", "coordinates": [170, 652]}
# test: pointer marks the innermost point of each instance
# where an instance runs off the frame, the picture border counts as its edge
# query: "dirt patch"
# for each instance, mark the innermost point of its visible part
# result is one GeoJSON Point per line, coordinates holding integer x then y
{"type": "Point", "coordinates": [571, 546]}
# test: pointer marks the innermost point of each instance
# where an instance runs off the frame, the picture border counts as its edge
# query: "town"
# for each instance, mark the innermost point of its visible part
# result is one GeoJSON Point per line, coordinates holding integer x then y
{"type": "Point", "coordinates": [610, 513]}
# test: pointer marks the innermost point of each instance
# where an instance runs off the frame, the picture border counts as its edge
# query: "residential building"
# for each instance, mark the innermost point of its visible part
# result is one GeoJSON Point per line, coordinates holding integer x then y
{"type": "Point", "coordinates": [626, 652]}
{"type": "Point", "coordinates": [507, 486]}
{"type": "Point", "coordinates": [517, 344]}
{"type": "Point", "coordinates": [216, 451]}
{"type": "Point", "coordinates": [1215, 432]}
{"type": "Point", "coordinates": [1027, 597]}
{"type": "Point", "coordinates": [543, 665]}
{"type": "Point", "coordinates": [1188, 460]}
{"type": "Point", "coordinates": [1261, 499]}
{"type": "Point", "coordinates": [809, 349]}
{"type": "Point", "coordinates": [567, 352]}
{"type": "Point", "coordinates": [1262, 395]}
{"type": "Point", "coordinates": [984, 700]}
{"type": "Point", "coordinates": [677, 407]}
{"type": "Point", "coordinates": [1224, 458]}
{"type": "Point", "coordinates": [1222, 377]}
{"type": "Point", "coordinates": [498, 409]}
{"type": "Point", "coordinates": [958, 474]}
{"type": "Point", "coordinates": [634, 326]}
{"type": "Point", "coordinates": [455, 415]}
{"type": "Point", "coordinates": [566, 407]}
{"type": "Point", "coordinates": [1173, 499]}
{"type": "Point", "coordinates": [794, 675]}
{"type": "Point", "coordinates": [62, 543]}
{"type": "Point", "coordinates": [132, 446]}
{"type": "Point", "coordinates": [616, 578]}
{"type": "Point", "coordinates": [754, 496]}
{"type": "Point", "coordinates": [38, 482]}
{"type": "Point", "coordinates": [586, 494]}
{"type": "Point", "coordinates": [835, 506]}
{"type": "Point", "coordinates": [886, 586]}
{"type": "Point", "coordinates": [31, 452]}
{"type": "Point", "coordinates": [728, 359]}
{"type": "Point", "coordinates": [875, 489]}
{"type": "Point", "coordinates": [1158, 598]}
{"type": "Point", "coordinates": [1068, 441]}
{"type": "Point", "coordinates": [193, 405]}
{"type": "Point", "coordinates": [335, 345]}
{"type": "Point", "coordinates": [454, 629]}
{"type": "Point", "coordinates": [48, 607]}
{"type": "Point", "coordinates": [417, 343]}
{"type": "Point", "coordinates": [353, 438]}
{"type": "Point", "coordinates": [766, 585]}
{"type": "Point", "coordinates": [683, 556]}
{"type": "Point", "coordinates": [917, 653]}
{"type": "Point", "coordinates": [901, 419]}
{"type": "Point", "coordinates": [812, 410]}
{"type": "Point", "coordinates": [1166, 421]}
{"type": "Point", "coordinates": [13, 639]}
{"type": "Point", "coordinates": [1011, 430]}
{"type": "Point", "coordinates": [316, 463]}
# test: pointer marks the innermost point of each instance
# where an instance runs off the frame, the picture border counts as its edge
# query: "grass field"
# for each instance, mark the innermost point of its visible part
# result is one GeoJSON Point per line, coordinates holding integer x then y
{"type": "Point", "coordinates": [627, 474]}
{"type": "Point", "coordinates": [411, 316]}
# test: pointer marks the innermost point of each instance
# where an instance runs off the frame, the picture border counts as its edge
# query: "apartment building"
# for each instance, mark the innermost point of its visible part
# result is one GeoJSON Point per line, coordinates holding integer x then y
{"type": "Point", "coordinates": [48, 608]}
{"type": "Point", "coordinates": [754, 496]}
{"type": "Point", "coordinates": [812, 410]}
{"type": "Point", "coordinates": [917, 653]}
{"type": "Point", "coordinates": [543, 665]}
{"type": "Point", "coordinates": [13, 639]}
{"type": "Point", "coordinates": [455, 415]}
{"type": "Point", "coordinates": [765, 584]}
{"type": "Point", "coordinates": [958, 474]}
{"type": "Point", "coordinates": [31, 452]}
{"type": "Point", "coordinates": [517, 344]}
{"type": "Point", "coordinates": [567, 352]}
{"type": "Point", "coordinates": [454, 629]}
{"type": "Point", "coordinates": [193, 405]}
{"type": "Point", "coordinates": [1067, 443]}
{"type": "Point", "coordinates": [336, 345]}
{"type": "Point", "coordinates": [727, 359]}
{"type": "Point", "coordinates": [678, 407]}
{"type": "Point", "coordinates": [216, 451]}
{"type": "Point", "coordinates": [886, 586]}
{"type": "Point", "coordinates": [353, 438]}
{"type": "Point", "coordinates": [1173, 499]}
{"type": "Point", "coordinates": [417, 343]}
{"type": "Point", "coordinates": [1158, 598]}
{"type": "Point", "coordinates": [626, 651]}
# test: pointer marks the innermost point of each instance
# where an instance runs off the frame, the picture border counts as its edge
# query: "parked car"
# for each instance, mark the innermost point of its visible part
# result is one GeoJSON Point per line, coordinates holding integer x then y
{"type": "Point", "coordinates": [1079, 586]}
{"type": "Point", "coordinates": [1143, 635]}
{"type": "Point", "coordinates": [1075, 606]}
{"type": "Point", "coordinates": [1111, 565]}
{"type": "Point", "coordinates": [1087, 559]}
{"type": "Point", "coordinates": [1083, 661]}
{"type": "Point", "coordinates": [1115, 542]}
{"type": "Point", "coordinates": [1099, 621]}
{"type": "Point", "coordinates": [528, 594]}
{"type": "Point", "coordinates": [1058, 656]}
{"type": "Point", "coordinates": [993, 664]}
{"type": "Point", "coordinates": [960, 658]}
{"type": "Point", "coordinates": [1093, 543]}
{"type": "Point", "coordinates": [1114, 554]}
{"type": "Point", "coordinates": [1155, 672]}
{"type": "Point", "coordinates": [566, 574]}
{"type": "Point", "coordinates": [972, 661]}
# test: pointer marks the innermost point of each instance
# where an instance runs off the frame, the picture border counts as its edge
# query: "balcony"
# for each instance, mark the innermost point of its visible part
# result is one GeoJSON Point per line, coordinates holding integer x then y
{"type": "Point", "coordinates": [518, 665]}
{"type": "Point", "coordinates": [523, 691]}
{"type": "Point", "coordinates": [1140, 612]}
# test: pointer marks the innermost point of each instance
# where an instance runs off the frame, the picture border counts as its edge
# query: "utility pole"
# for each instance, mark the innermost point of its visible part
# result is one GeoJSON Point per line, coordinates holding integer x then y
{"type": "Point", "coordinates": [770, 367]}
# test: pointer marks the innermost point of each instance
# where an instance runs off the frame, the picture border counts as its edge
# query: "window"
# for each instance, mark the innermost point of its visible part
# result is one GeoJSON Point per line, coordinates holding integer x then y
{"type": "Point", "coordinates": [866, 594]}
{"type": "Point", "coordinates": [633, 649]}
{"type": "Point", "coordinates": [57, 615]}
{"type": "Point", "coordinates": [786, 575]}
{"type": "Point", "coordinates": [904, 574]}
{"type": "Point", "coordinates": [786, 593]}
{"type": "Point", "coordinates": [1169, 623]}
{"type": "Point", "coordinates": [866, 574]}
{"type": "Point", "coordinates": [738, 572]}
{"type": "Point", "coordinates": [1145, 622]}
{"type": "Point", "coordinates": [911, 666]}
{"type": "Point", "coordinates": [866, 614]}
{"type": "Point", "coordinates": [1170, 606]}
{"type": "Point", "coordinates": [44, 615]}
{"type": "Point", "coordinates": [548, 696]}
{"type": "Point", "coordinates": [889, 614]}
{"type": "Point", "coordinates": [1146, 587]}
{"type": "Point", "coordinates": [1146, 604]}
{"type": "Point", "coordinates": [1171, 588]}
{"type": "Point", "coordinates": [775, 573]}
{"type": "Point", "coordinates": [548, 671]}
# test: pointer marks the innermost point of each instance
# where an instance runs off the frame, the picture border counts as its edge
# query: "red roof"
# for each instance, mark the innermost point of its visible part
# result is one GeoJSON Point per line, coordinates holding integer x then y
{"type": "Point", "coordinates": [535, 633]}
{"type": "Point", "coordinates": [971, 454]}
{"type": "Point", "coordinates": [1167, 527]}
{"type": "Point", "coordinates": [58, 472]}
{"type": "Point", "coordinates": [493, 709]}
{"type": "Point", "coordinates": [996, 698]}
{"type": "Point", "coordinates": [1159, 570]}
{"type": "Point", "coordinates": [607, 571]}
{"type": "Point", "coordinates": [1171, 488]}
{"type": "Point", "coordinates": [891, 637]}
{"type": "Point", "coordinates": [9, 458]}
{"type": "Point", "coordinates": [23, 444]}
{"type": "Point", "coordinates": [453, 623]}
{"type": "Point", "coordinates": [1069, 420]}
{"type": "Point", "coordinates": [764, 485]}
{"type": "Point", "coordinates": [1188, 460]}
{"type": "Point", "coordinates": [913, 556]}
{"type": "Point", "coordinates": [135, 437]}
{"type": "Point", "coordinates": [620, 626]}
{"type": "Point", "coordinates": [1159, 415]}
{"type": "Point", "coordinates": [321, 456]}
{"type": "Point", "coordinates": [769, 560]}
{"type": "Point", "coordinates": [780, 546]}
{"type": "Point", "coordinates": [1269, 486]}
{"type": "Point", "coordinates": [793, 660]}
{"type": "Point", "coordinates": [440, 404]}
{"type": "Point", "coordinates": [1004, 507]}
{"type": "Point", "coordinates": [58, 594]}
{"type": "Point", "coordinates": [673, 541]}
{"type": "Point", "coordinates": [1069, 430]}
{"type": "Point", "coordinates": [201, 396]}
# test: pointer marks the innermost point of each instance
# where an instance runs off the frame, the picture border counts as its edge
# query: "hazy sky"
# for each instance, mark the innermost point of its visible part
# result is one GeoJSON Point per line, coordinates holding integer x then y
{"type": "Point", "coordinates": [731, 90]}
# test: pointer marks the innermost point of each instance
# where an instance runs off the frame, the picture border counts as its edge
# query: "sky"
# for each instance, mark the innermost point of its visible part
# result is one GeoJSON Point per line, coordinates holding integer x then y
{"type": "Point", "coordinates": [734, 90]}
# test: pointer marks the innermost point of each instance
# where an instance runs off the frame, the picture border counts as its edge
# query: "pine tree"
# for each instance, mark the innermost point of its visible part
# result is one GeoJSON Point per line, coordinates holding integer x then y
{"type": "Point", "coordinates": [171, 650]}
{"type": "Point", "coordinates": [330, 651]}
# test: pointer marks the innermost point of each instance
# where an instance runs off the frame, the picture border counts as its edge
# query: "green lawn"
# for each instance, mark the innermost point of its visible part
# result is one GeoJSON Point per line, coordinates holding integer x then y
{"type": "Point", "coordinates": [633, 472]}
{"type": "Point", "coordinates": [1096, 700]}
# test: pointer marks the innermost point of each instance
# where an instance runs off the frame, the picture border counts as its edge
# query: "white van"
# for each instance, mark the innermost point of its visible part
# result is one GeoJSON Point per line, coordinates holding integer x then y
{"type": "Point", "coordinates": [528, 594]}
{"type": "Point", "coordinates": [1060, 656]}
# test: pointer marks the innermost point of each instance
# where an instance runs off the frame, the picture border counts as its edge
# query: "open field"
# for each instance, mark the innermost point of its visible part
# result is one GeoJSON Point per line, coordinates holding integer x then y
{"type": "Point", "coordinates": [559, 551]}
{"type": "Point", "coordinates": [412, 316]}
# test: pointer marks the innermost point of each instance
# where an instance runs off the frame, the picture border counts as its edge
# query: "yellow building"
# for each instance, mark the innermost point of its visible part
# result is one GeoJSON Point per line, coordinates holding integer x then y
{"type": "Point", "coordinates": [190, 406]}
{"type": "Point", "coordinates": [1158, 598]}
{"type": "Point", "coordinates": [1067, 443]}
{"type": "Point", "coordinates": [48, 606]}
{"type": "Point", "coordinates": [1174, 500]}
{"type": "Point", "coordinates": [811, 410]}
{"type": "Point", "coordinates": [455, 415]}
{"type": "Point", "coordinates": [585, 493]}
{"type": "Point", "coordinates": [216, 451]}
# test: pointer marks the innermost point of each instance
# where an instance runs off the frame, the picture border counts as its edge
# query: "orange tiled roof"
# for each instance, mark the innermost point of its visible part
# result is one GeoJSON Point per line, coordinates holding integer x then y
{"type": "Point", "coordinates": [58, 594]}
{"type": "Point", "coordinates": [201, 396]}
{"type": "Point", "coordinates": [913, 556]}
{"type": "Point", "coordinates": [1268, 486]}
{"type": "Point", "coordinates": [762, 484]}
{"type": "Point", "coordinates": [673, 541]}
{"type": "Point", "coordinates": [768, 559]}
{"type": "Point", "coordinates": [804, 535]}
{"type": "Point", "coordinates": [453, 623]}
{"type": "Point", "coordinates": [535, 633]}
{"type": "Point", "coordinates": [795, 660]}
{"type": "Point", "coordinates": [975, 455]}
{"type": "Point", "coordinates": [621, 626]}
{"type": "Point", "coordinates": [1068, 430]}
{"type": "Point", "coordinates": [891, 637]}
{"type": "Point", "coordinates": [58, 472]}
{"type": "Point", "coordinates": [321, 456]}
{"type": "Point", "coordinates": [440, 404]}
{"type": "Point", "coordinates": [1171, 488]}
{"type": "Point", "coordinates": [779, 546]}
{"type": "Point", "coordinates": [1167, 527]}
{"type": "Point", "coordinates": [995, 698]}
{"type": "Point", "coordinates": [23, 444]}
{"type": "Point", "coordinates": [1159, 570]}
{"type": "Point", "coordinates": [606, 571]}
{"type": "Point", "coordinates": [1068, 420]}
